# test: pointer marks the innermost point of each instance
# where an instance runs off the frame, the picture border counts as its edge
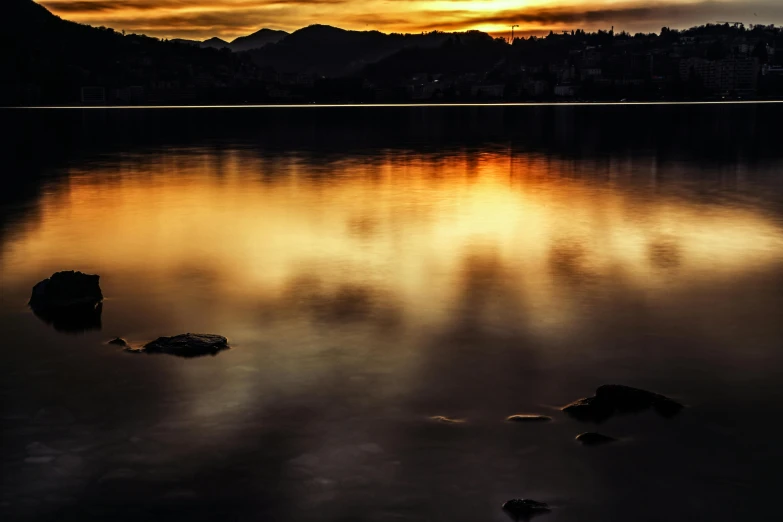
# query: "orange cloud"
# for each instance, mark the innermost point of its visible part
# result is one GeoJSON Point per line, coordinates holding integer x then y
{"type": "Point", "coordinates": [232, 18]}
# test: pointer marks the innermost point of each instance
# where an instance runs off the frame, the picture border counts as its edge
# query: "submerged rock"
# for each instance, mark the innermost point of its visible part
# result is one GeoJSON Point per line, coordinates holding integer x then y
{"type": "Point", "coordinates": [447, 420]}
{"type": "Point", "coordinates": [187, 345]}
{"type": "Point", "coordinates": [525, 509]}
{"type": "Point", "coordinates": [528, 417]}
{"type": "Point", "coordinates": [69, 301]}
{"type": "Point", "coordinates": [594, 439]}
{"type": "Point", "coordinates": [611, 399]}
{"type": "Point", "coordinates": [119, 341]}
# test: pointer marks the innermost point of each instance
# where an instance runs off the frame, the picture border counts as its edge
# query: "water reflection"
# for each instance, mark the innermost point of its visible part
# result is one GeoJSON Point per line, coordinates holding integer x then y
{"type": "Point", "coordinates": [78, 320]}
{"type": "Point", "coordinates": [367, 290]}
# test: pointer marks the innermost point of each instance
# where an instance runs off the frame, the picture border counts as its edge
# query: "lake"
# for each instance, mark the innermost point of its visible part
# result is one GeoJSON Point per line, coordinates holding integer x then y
{"type": "Point", "coordinates": [377, 267]}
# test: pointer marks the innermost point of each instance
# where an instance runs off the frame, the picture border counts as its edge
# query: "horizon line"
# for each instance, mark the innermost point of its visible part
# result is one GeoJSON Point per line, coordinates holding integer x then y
{"type": "Point", "coordinates": [387, 105]}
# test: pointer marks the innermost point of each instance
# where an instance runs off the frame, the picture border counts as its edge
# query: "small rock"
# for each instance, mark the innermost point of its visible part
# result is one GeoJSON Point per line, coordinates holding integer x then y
{"type": "Point", "coordinates": [611, 399]}
{"type": "Point", "coordinates": [187, 345]}
{"type": "Point", "coordinates": [119, 341]}
{"type": "Point", "coordinates": [525, 508]}
{"type": "Point", "coordinates": [37, 449]}
{"type": "Point", "coordinates": [447, 420]}
{"type": "Point", "coordinates": [528, 417]}
{"type": "Point", "coordinates": [594, 439]}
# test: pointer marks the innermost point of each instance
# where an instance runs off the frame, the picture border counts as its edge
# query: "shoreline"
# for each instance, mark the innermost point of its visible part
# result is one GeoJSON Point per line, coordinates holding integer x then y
{"type": "Point", "coordinates": [389, 105]}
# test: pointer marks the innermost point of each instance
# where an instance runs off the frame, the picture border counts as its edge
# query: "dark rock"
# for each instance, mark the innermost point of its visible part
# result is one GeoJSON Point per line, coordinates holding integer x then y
{"type": "Point", "coordinates": [594, 439]}
{"type": "Point", "coordinates": [525, 509]}
{"type": "Point", "coordinates": [69, 301]}
{"type": "Point", "coordinates": [447, 420]}
{"type": "Point", "coordinates": [119, 341]}
{"type": "Point", "coordinates": [187, 345]}
{"type": "Point", "coordinates": [612, 399]}
{"type": "Point", "coordinates": [528, 417]}
{"type": "Point", "coordinates": [65, 290]}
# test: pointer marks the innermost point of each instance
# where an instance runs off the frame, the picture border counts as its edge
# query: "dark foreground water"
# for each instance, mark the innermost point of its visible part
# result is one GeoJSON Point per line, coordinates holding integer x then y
{"type": "Point", "coordinates": [373, 268]}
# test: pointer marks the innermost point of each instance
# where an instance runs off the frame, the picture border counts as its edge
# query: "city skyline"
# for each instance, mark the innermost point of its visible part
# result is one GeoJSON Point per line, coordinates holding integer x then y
{"type": "Point", "coordinates": [228, 19]}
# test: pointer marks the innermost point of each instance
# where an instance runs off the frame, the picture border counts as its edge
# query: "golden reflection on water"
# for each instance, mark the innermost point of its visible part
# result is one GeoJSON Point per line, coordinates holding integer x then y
{"type": "Point", "coordinates": [399, 223]}
{"type": "Point", "coordinates": [371, 299]}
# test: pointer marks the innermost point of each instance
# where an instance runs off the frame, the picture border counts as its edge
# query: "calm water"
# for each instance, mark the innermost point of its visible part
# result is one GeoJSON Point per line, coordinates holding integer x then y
{"type": "Point", "coordinates": [373, 268]}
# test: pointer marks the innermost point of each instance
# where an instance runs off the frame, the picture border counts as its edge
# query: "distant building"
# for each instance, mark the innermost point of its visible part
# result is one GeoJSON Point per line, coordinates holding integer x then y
{"type": "Point", "coordinates": [738, 75]}
{"type": "Point", "coordinates": [425, 91]}
{"type": "Point", "coordinates": [537, 87]}
{"type": "Point", "coordinates": [735, 74]}
{"type": "Point", "coordinates": [93, 95]}
{"type": "Point", "coordinates": [565, 91]}
{"type": "Point", "coordinates": [590, 72]}
{"type": "Point", "coordinates": [487, 91]}
{"type": "Point", "coordinates": [134, 94]}
{"type": "Point", "coordinates": [701, 68]}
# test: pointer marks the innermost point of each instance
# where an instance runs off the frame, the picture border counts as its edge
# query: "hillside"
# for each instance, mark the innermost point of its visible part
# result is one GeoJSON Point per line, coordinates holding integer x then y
{"type": "Point", "coordinates": [48, 60]}
{"type": "Point", "coordinates": [257, 40]}
{"type": "Point", "coordinates": [216, 43]}
{"type": "Point", "coordinates": [469, 52]}
{"type": "Point", "coordinates": [326, 50]}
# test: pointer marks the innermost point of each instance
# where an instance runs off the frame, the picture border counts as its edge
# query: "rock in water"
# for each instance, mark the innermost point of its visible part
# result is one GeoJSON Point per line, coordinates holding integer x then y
{"type": "Point", "coordinates": [69, 301]}
{"type": "Point", "coordinates": [119, 341]}
{"type": "Point", "coordinates": [525, 509]}
{"type": "Point", "coordinates": [594, 439]}
{"type": "Point", "coordinates": [528, 417]}
{"type": "Point", "coordinates": [65, 290]}
{"type": "Point", "coordinates": [188, 345]}
{"type": "Point", "coordinates": [611, 399]}
{"type": "Point", "coordinates": [447, 420]}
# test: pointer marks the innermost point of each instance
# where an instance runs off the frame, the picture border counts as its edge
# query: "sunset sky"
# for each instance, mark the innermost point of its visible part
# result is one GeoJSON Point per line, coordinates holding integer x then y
{"type": "Point", "coordinates": [231, 18]}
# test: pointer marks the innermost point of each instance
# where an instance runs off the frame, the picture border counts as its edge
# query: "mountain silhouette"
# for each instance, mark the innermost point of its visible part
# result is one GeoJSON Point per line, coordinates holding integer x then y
{"type": "Point", "coordinates": [327, 50]}
{"type": "Point", "coordinates": [243, 43]}
{"type": "Point", "coordinates": [460, 53]}
{"type": "Point", "coordinates": [47, 59]}
{"type": "Point", "coordinates": [216, 43]}
{"type": "Point", "coordinates": [257, 40]}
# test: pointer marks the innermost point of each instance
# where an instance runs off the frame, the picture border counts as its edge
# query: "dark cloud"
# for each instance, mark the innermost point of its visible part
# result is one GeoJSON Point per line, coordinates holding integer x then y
{"type": "Point", "coordinates": [101, 6]}
{"type": "Point", "coordinates": [105, 6]}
